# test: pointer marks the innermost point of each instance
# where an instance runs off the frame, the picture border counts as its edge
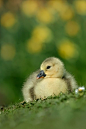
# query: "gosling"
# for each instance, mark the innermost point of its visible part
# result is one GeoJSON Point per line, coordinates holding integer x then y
{"type": "Point", "coordinates": [49, 80]}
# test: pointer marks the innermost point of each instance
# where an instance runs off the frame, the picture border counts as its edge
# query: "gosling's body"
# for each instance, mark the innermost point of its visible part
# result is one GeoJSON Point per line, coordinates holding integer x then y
{"type": "Point", "coordinates": [48, 87]}
{"type": "Point", "coordinates": [56, 80]}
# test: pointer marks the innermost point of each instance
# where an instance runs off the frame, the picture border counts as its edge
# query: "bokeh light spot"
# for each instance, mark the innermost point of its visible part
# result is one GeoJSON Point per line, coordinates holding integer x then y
{"type": "Point", "coordinates": [80, 6]}
{"type": "Point", "coordinates": [8, 20]}
{"type": "Point", "coordinates": [72, 28]}
{"type": "Point", "coordinates": [57, 5]}
{"type": "Point", "coordinates": [29, 8]}
{"type": "Point", "coordinates": [44, 15]}
{"type": "Point", "coordinates": [32, 46]}
{"type": "Point", "coordinates": [42, 34]}
{"type": "Point", "coordinates": [67, 12]}
{"type": "Point", "coordinates": [7, 52]}
{"type": "Point", "coordinates": [67, 49]}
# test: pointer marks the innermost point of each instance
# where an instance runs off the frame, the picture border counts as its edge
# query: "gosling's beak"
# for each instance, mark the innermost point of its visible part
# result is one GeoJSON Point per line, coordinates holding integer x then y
{"type": "Point", "coordinates": [41, 75]}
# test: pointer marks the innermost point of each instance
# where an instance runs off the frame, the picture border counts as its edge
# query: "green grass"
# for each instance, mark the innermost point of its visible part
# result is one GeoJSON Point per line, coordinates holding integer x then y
{"type": "Point", "coordinates": [66, 111]}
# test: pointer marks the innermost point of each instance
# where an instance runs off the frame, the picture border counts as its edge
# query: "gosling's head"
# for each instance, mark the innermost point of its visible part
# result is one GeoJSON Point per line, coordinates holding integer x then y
{"type": "Point", "coordinates": [51, 68]}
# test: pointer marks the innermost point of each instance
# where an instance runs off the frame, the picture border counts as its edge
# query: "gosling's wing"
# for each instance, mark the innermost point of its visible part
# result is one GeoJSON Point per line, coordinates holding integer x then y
{"type": "Point", "coordinates": [70, 80]}
{"type": "Point", "coordinates": [27, 90]}
{"type": "Point", "coordinates": [31, 80]}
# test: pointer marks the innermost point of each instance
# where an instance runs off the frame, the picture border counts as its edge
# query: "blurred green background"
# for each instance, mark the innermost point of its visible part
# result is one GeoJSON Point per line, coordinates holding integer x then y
{"type": "Point", "coordinates": [31, 31]}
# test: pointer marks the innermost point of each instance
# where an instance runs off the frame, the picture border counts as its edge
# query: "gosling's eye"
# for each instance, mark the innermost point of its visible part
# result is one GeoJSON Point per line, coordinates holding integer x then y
{"type": "Point", "coordinates": [48, 67]}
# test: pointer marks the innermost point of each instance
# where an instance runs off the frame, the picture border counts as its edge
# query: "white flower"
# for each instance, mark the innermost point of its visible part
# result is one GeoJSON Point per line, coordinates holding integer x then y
{"type": "Point", "coordinates": [82, 88]}
{"type": "Point", "coordinates": [76, 91]}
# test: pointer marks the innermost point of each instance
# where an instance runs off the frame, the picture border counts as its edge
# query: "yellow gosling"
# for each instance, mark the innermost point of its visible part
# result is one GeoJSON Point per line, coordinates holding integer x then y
{"type": "Point", "coordinates": [49, 80]}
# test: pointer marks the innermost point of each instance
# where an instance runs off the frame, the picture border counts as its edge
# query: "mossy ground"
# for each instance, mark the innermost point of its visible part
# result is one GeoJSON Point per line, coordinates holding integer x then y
{"type": "Point", "coordinates": [66, 111]}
